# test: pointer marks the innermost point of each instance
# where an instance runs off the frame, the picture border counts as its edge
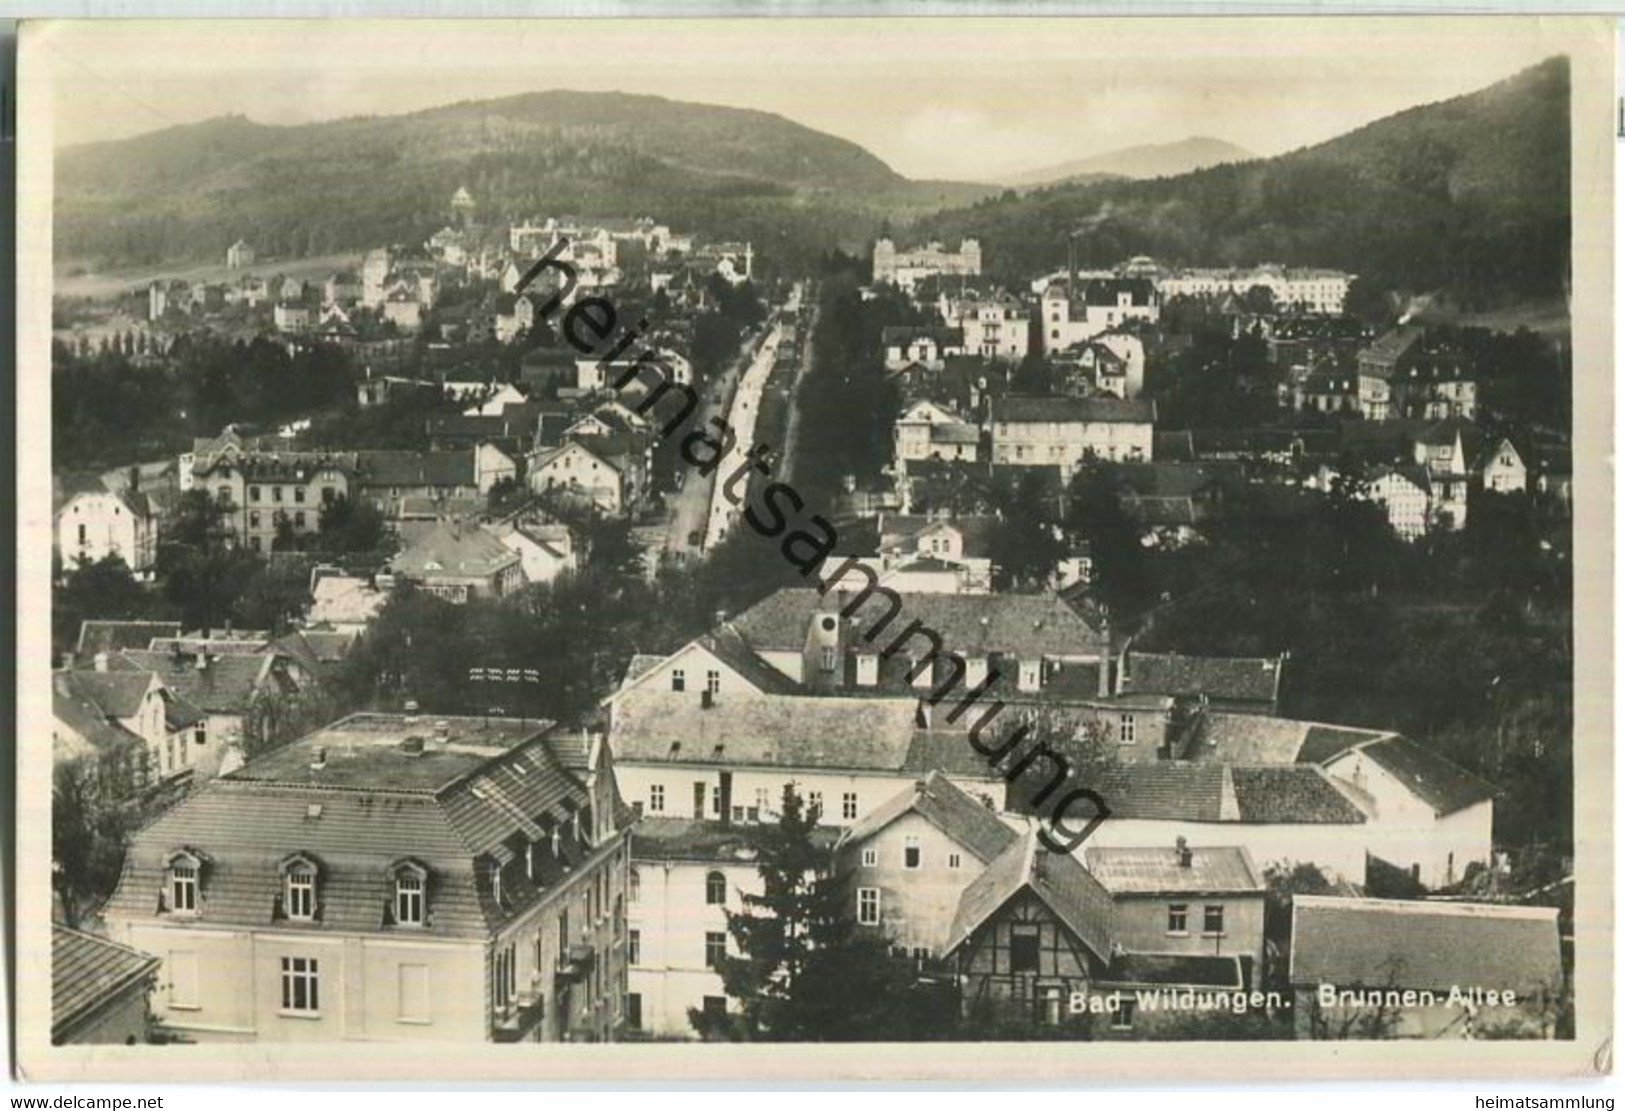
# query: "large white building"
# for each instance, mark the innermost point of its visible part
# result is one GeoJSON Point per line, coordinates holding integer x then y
{"type": "Point", "coordinates": [1303, 290]}
{"type": "Point", "coordinates": [1070, 316]}
{"type": "Point", "coordinates": [1064, 431]}
{"type": "Point", "coordinates": [96, 524]}
{"type": "Point", "coordinates": [905, 269]}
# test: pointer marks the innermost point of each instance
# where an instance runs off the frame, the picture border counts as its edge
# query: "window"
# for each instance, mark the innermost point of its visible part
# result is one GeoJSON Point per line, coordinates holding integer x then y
{"type": "Point", "coordinates": [200, 735]}
{"type": "Point", "coordinates": [1125, 729]}
{"type": "Point", "coordinates": [1023, 948]}
{"type": "Point", "coordinates": [253, 493]}
{"type": "Point", "coordinates": [849, 806]}
{"type": "Point", "coordinates": [634, 1011]}
{"type": "Point", "coordinates": [678, 680]}
{"type": "Point", "coordinates": [713, 682]}
{"type": "Point", "coordinates": [299, 519]}
{"type": "Point", "coordinates": [827, 658]}
{"type": "Point", "coordinates": [657, 798]}
{"type": "Point", "coordinates": [564, 933]}
{"type": "Point", "coordinates": [412, 993]}
{"type": "Point", "coordinates": [504, 976]}
{"type": "Point", "coordinates": [183, 980]}
{"type": "Point", "coordinates": [299, 894]}
{"type": "Point", "coordinates": [911, 852]}
{"type": "Point", "coordinates": [868, 906]}
{"type": "Point", "coordinates": [253, 520]}
{"type": "Point", "coordinates": [1177, 915]}
{"type": "Point", "coordinates": [82, 536]}
{"type": "Point", "coordinates": [409, 899]}
{"type": "Point", "coordinates": [1212, 920]}
{"type": "Point", "coordinates": [300, 987]}
{"type": "Point", "coordinates": [634, 946]}
{"type": "Point", "coordinates": [1049, 1000]}
{"type": "Point", "coordinates": [1123, 1017]}
{"type": "Point", "coordinates": [634, 885]}
{"type": "Point", "coordinates": [716, 889]}
{"type": "Point", "coordinates": [183, 885]}
{"type": "Point", "coordinates": [223, 494]}
{"type": "Point", "coordinates": [815, 801]}
{"type": "Point", "coordinates": [299, 495]}
{"type": "Point", "coordinates": [716, 948]}
{"type": "Point", "coordinates": [870, 858]}
{"type": "Point", "coordinates": [953, 861]}
{"type": "Point", "coordinates": [762, 800]}
{"type": "Point", "coordinates": [276, 493]}
{"type": "Point", "coordinates": [328, 494]}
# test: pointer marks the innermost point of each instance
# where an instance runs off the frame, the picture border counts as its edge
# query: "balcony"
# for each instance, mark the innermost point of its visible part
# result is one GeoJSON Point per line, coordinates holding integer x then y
{"type": "Point", "coordinates": [519, 1017]}
{"type": "Point", "coordinates": [574, 964]}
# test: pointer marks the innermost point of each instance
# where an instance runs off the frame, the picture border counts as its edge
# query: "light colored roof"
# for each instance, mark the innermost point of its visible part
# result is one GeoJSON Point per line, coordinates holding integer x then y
{"type": "Point", "coordinates": [88, 972]}
{"type": "Point", "coordinates": [1157, 871]}
{"type": "Point", "coordinates": [1381, 943]}
{"type": "Point", "coordinates": [1235, 738]}
{"type": "Point", "coordinates": [1071, 893]}
{"type": "Point", "coordinates": [859, 734]}
{"type": "Point", "coordinates": [341, 600]}
{"type": "Point", "coordinates": [1445, 786]}
{"type": "Point", "coordinates": [945, 806]}
{"type": "Point", "coordinates": [454, 550]}
{"type": "Point", "coordinates": [118, 694]}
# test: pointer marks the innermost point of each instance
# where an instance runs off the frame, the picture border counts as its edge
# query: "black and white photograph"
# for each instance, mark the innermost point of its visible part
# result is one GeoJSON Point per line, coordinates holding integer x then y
{"type": "Point", "coordinates": [576, 547]}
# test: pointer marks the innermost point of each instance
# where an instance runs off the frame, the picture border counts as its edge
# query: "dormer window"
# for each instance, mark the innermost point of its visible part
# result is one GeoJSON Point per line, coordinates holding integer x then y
{"type": "Point", "coordinates": [299, 889]}
{"type": "Point", "coordinates": [184, 874]}
{"type": "Point", "coordinates": [410, 888]}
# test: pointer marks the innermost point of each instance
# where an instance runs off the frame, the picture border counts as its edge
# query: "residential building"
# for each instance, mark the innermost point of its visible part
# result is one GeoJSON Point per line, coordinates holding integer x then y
{"type": "Point", "coordinates": [545, 551]}
{"type": "Point", "coordinates": [459, 563]}
{"type": "Point", "coordinates": [995, 327]}
{"type": "Point", "coordinates": [905, 269]}
{"type": "Point", "coordinates": [1185, 900]}
{"type": "Point", "coordinates": [1391, 968]}
{"type": "Point", "coordinates": [385, 478]}
{"type": "Point", "coordinates": [109, 637]}
{"type": "Point", "coordinates": [1408, 373]}
{"type": "Point", "coordinates": [134, 731]}
{"type": "Point", "coordinates": [1405, 494]}
{"type": "Point", "coordinates": [239, 256]}
{"type": "Point", "coordinates": [1502, 469]}
{"type": "Point", "coordinates": [390, 879]}
{"type": "Point", "coordinates": [96, 524]}
{"type": "Point", "coordinates": [901, 542]}
{"type": "Point", "coordinates": [922, 345]}
{"type": "Point", "coordinates": [1063, 432]}
{"type": "Point", "coordinates": [1310, 290]}
{"type": "Point", "coordinates": [262, 492]}
{"type": "Point", "coordinates": [99, 990]}
{"type": "Point", "coordinates": [925, 430]}
{"type": "Point", "coordinates": [906, 865]}
{"type": "Point", "coordinates": [1219, 682]}
{"type": "Point", "coordinates": [687, 874]}
{"type": "Point", "coordinates": [583, 469]}
{"type": "Point", "coordinates": [292, 316]}
{"type": "Point", "coordinates": [1074, 312]}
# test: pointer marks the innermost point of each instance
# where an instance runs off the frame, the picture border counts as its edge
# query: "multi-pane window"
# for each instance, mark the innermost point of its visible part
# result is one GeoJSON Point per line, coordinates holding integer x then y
{"type": "Point", "coordinates": [678, 680]}
{"type": "Point", "coordinates": [953, 860]}
{"type": "Point", "coordinates": [301, 891]}
{"type": "Point", "coordinates": [1123, 1017]}
{"type": "Point", "coordinates": [871, 857]}
{"type": "Point", "coordinates": [911, 852]}
{"type": "Point", "coordinates": [713, 682]}
{"type": "Point", "coordinates": [716, 889]}
{"type": "Point", "coordinates": [868, 906]}
{"type": "Point", "coordinates": [634, 946]}
{"type": "Point", "coordinates": [815, 801]}
{"type": "Point", "coordinates": [716, 948]}
{"type": "Point", "coordinates": [409, 899]}
{"type": "Point", "coordinates": [827, 659]}
{"type": "Point", "coordinates": [183, 885]}
{"type": "Point", "coordinates": [762, 798]}
{"type": "Point", "coordinates": [1213, 919]}
{"type": "Point", "coordinates": [300, 986]}
{"type": "Point", "coordinates": [1125, 729]}
{"type": "Point", "coordinates": [849, 806]}
{"type": "Point", "coordinates": [1178, 915]}
{"type": "Point", "coordinates": [657, 798]}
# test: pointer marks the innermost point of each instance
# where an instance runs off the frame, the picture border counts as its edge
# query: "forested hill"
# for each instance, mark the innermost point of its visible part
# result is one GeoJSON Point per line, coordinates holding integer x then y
{"type": "Point", "coordinates": [1469, 195]}
{"type": "Point", "coordinates": [187, 192]}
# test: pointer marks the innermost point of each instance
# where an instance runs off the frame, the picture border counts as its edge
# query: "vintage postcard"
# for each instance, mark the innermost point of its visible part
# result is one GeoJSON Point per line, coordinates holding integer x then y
{"type": "Point", "coordinates": [646, 548]}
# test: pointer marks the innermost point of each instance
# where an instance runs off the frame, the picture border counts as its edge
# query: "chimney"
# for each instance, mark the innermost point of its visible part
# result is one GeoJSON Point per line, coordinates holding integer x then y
{"type": "Point", "coordinates": [1183, 852]}
{"type": "Point", "coordinates": [318, 759]}
{"type": "Point", "coordinates": [101, 661]}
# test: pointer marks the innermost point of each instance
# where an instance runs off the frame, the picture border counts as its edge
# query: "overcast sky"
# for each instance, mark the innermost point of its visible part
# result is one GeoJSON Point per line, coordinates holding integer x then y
{"type": "Point", "coordinates": [941, 98]}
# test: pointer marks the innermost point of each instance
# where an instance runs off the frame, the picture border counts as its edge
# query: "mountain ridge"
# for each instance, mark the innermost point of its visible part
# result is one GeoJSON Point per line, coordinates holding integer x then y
{"type": "Point", "coordinates": [1143, 160]}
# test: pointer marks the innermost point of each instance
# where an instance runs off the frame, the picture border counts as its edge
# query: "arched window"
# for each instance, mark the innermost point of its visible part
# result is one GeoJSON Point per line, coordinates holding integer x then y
{"type": "Point", "coordinates": [716, 889]}
{"type": "Point", "coordinates": [299, 888]}
{"type": "Point", "coordinates": [184, 883]}
{"type": "Point", "coordinates": [409, 898]}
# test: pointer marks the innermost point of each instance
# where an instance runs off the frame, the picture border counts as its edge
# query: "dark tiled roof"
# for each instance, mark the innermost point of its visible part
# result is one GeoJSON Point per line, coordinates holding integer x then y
{"type": "Point", "coordinates": [948, 808]}
{"type": "Point", "coordinates": [1233, 738]}
{"type": "Point", "coordinates": [1070, 892]}
{"type": "Point", "coordinates": [1380, 943]}
{"type": "Point", "coordinates": [726, 645]}
{"type": "Point", "coordinates": [972, 625]}
{"type": "Point", "coordinates": [1224, 870]}
{"type": "Point", "coordinates": [117, 694]}
{"type": "Point", "coordinates": [1073, 410]}
{"type": "Point", "coordinates": [662, 839]}
{"type": "Point", "coordinates": [226, 686]}
{"type": "Point", "coordinates": [861, 734]}
{"type": "Point", "coordinates": [113, 636]}
{"type": "Point", "coordinates": [1443, 785]}
{"type": "Point", "coordinates": [416, 468]}
{"type": "Point", "coordinates": [1295, 794]}
{"type": "Point", "coordinates": [948, 751]}
{"type": "Point", "coordinates": [1164, 791]}
{"type": "Point", "coordinates": [1250, 680]}
{"type": "Point", "coordinates": [85, 718]}
{"type": "Point", "coordinates": [1175, 970]}
{"type": "Point", "coordinates": [1322, 742]}
{"type": "Point", "coordinates": [89, 971]}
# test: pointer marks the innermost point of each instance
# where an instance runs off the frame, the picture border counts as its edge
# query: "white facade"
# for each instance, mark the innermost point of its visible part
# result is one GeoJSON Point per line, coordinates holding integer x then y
{"type": "Point", "coordinates": [1066, 444]}
{"type": "Point", "coordinates": [668, 921]}
{"type": "Point", "coordinates": [576, 471]}
{"type": "Point", "coordinates": [97, 524]}
{"type": "Point", "coordinates": [1406, 504]}
{"type": "Point", "coordinates": [905, 269]}
{"type": "Point", "coordinates": [1408, 832]}
{"type": "Point", "coordinates": [925, 430]}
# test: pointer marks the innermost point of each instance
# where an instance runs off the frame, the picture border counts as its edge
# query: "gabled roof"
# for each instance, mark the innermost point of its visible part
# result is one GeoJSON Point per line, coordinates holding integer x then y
{"type": "Point", "coordinates": [1445, 786]}
{"type": "Point", "coordinates": [84, 717]}
{"type": "Point", "coordinates": [1236, 738]}
{"type": "Point", "coordinates": [1222, 870]}
{"type": "Point", "coordinates": [547, 456]}
{"type": "Point", "coordinates": [1297, 794]}
{"type": "Point", "coordinates": [1176, 791]}
{"type": "Point", "coordinates": [117, 694]}
{"type": "Point", "coordinates": [1017, 409]}
{"type": "Point", "coordinates": [1023, 625]}
{"type": "Point", "coordinates": [454, 550]}
{"type": "Point", "coordinates": [226, 686]}
{"type": "Point", "coordinates": [1074, 896]}
{"type": "Point", "coordinates": [112, 636]}
{"type": "Point", "coordinates": [857, 734]}
{"type": "Point", "coordinates": [88, 972]}
{"type": "Point", "coordinates": [1383, 943]}
{"type": "Point", "coordinates": [416, 468]}
{"type": "Point", "coordinates": [945, 806]}
{"type": "Point", "coordinates": [1249, 680]}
